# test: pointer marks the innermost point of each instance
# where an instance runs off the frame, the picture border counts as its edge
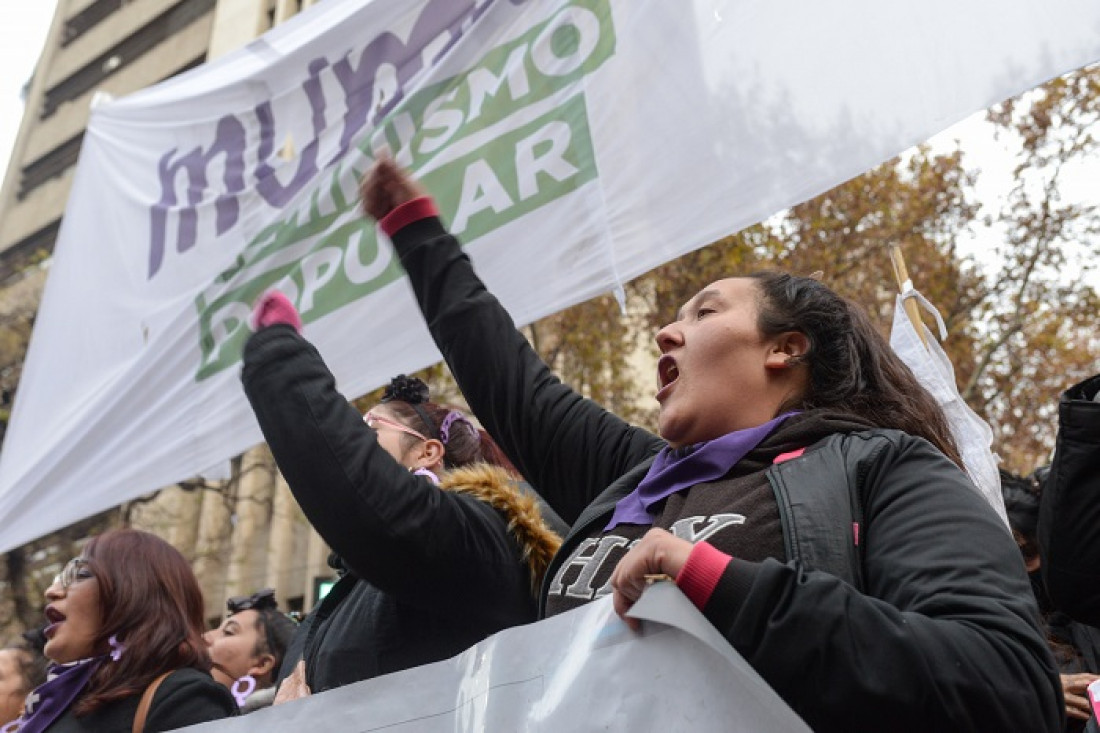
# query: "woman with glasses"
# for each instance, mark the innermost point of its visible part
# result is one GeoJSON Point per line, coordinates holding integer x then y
{"type": "Point", "coordinates": [124, 634]}
{"type": "Point", "coordinates": [437, 545]}
{"type": "Point", "coordinates": [247, 650]}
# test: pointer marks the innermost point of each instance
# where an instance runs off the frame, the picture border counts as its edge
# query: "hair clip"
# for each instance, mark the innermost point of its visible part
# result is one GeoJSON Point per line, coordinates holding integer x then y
{"type": "Point", "coordinates": [452, 417]}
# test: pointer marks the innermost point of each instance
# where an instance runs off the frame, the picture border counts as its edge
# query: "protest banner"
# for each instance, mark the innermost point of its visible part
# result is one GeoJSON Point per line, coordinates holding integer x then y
{"type": "Point", "coordinates": [581, 670]}
{"type": "Point", "coordinates": [572, 144]}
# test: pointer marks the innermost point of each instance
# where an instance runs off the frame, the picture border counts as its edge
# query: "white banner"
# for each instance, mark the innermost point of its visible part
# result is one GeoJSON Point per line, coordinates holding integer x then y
{"type": "Point", "coordinates": [573, 144]}
{"type": "Point", "coordinates": [579, 671]}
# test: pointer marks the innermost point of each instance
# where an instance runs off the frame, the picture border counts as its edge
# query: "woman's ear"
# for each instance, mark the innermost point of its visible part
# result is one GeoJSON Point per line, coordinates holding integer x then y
{"type": "Point", "coordinates": [429, 454]}
{"type": "Point", "coordinates": [787, 350]}
{"type": "Point", "coordinates": [264, 668]}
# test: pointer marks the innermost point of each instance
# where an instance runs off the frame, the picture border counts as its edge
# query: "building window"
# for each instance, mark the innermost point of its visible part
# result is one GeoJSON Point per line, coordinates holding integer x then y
{"type": "Point", "coordinates": [88, 18]}
{"type": "Point", "coordinates": [125, 52]}
{"type": "Point", "coordinates": [61, 158]}
{"type": "Point", "coordinates": [51, 165]}
{"type": "Point", "coordinates": [29, 249]}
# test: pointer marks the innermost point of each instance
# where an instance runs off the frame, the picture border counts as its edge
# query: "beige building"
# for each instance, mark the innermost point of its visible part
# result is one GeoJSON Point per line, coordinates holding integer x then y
{"type": "Point", "coordinates": [244, 533]}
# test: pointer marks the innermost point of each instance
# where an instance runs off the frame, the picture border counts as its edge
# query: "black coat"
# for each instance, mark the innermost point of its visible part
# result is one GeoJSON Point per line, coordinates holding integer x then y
{"type": "Point", "coordinates": [185, 697]}
{"type": "Point", "coordinates": [1069, 512]}
{"type": "Point", "coordinates": [432, 570]}
{"type": "Point", "coordinates": [945, 635]}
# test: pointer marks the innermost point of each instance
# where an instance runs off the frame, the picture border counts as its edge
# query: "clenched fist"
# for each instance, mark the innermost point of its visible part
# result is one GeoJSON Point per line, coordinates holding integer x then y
{"type": "Point", "coordinates": [385, 187]}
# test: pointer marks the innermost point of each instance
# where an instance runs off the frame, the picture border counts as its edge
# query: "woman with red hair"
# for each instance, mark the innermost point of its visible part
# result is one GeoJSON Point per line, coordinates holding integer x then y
{"type": "Point", "coordinates": [125, 632]}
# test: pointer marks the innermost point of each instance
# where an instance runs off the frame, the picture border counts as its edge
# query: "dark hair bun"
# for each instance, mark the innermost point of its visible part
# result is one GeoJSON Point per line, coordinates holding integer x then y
{"type": "Point", "coordinates": [406, 389]}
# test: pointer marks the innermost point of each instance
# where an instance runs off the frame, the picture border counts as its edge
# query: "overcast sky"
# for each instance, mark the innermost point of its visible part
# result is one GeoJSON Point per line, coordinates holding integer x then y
{"type": "Point", "coordinates": [22, 33]}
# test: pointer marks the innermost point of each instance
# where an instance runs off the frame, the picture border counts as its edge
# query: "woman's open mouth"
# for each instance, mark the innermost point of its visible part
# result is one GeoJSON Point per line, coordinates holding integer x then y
{"type": "Point", "coordinates": [56, 618]}
{"type": "Point", "coordinates": [667, 374]}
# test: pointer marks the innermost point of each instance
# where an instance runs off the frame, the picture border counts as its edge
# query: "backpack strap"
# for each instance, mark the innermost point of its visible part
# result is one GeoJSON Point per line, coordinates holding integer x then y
{"type": "Point", "coordinates": [147, 702]}
{"type": "Point", "coordinates": [819, 494]}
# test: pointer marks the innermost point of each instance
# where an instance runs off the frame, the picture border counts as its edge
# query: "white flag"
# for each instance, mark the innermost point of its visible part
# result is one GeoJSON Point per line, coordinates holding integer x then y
{"type": "Point", "coordinates": [933, 369]}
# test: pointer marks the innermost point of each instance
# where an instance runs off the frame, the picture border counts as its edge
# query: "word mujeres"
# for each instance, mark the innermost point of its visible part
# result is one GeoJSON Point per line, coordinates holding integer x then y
{"type": "Point", "coordinates": [439, 25]}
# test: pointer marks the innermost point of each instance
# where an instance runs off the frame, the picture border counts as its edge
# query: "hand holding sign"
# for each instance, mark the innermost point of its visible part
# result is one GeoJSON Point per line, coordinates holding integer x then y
{"type": "Point", "coordinates": [658, 553]}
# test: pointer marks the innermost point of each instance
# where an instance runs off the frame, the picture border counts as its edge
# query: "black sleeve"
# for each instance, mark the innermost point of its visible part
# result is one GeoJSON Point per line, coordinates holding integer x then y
{"type": "Point", "coordinates": [398, 531]}
{"type": "Point", "coordinates": [188, 697]}
{"type": "Point", "coordinates": [567, 446]}
{"type": "Point", "coordinates": [944, 636]}
{"type": "Point", "coordinates": [1069, 511]}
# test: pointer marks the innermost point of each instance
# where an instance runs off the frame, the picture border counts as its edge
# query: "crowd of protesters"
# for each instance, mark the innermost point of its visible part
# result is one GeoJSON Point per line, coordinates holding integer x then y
{"type": "Point", "coordinates": [804, 491]}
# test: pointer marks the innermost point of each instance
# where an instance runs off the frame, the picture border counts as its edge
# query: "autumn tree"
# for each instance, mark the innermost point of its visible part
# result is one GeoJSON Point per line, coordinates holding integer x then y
{"type": "Point", "coordinates": [1035, 330]}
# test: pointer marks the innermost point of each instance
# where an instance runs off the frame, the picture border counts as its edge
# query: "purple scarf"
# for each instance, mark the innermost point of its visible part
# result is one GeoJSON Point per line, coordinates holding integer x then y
{"type": "Point", "coordinates": [50, 700]}
{"type": "Point", "coordinates": [675, 470]}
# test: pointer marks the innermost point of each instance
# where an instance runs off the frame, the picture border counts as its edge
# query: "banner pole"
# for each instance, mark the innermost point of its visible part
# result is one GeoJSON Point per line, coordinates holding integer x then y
{"type": "Point", "coordinates": [901, 274]}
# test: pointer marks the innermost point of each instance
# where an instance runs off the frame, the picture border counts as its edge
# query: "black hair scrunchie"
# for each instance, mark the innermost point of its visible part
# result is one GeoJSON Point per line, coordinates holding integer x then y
{"type": "Point", "coordinates": [406, 389]}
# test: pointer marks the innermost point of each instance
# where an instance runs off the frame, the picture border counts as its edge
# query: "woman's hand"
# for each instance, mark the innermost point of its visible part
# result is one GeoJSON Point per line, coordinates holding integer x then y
{"type": "Point", "coordinates": [659, 552]}
{"type": "Point", "coordinates": [1075, 689]}
{"type": "Point", "coordinates": [274, 307]}
{"type": "Point", "coordinates": [385, 187]}
{"type": "Point", "coordinates": [294, 686]}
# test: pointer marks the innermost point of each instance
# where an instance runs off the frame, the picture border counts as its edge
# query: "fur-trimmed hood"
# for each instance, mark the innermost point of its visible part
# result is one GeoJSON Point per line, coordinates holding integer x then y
{"type": "Point", "coordinates": [501, 490]}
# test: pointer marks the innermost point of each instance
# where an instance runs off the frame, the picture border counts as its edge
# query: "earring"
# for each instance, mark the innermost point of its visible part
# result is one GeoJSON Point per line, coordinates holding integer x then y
{"type": "Point", "coordinates": [427, 473]}
{"type": "Point", "coordinates": [243, 687]}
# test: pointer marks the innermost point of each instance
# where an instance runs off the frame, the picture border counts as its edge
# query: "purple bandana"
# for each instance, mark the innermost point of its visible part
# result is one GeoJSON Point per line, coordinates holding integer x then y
{"type": "Point", "coordinates": [50, 700]}
{"type": "Point", "coordinates": [674, 471]}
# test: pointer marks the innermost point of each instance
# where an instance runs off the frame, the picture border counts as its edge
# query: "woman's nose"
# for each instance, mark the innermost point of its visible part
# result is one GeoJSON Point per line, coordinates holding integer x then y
{"type": "Point", "coordinates": [55, 590]}
{"type": "Point", "coordinates": [669, 337]}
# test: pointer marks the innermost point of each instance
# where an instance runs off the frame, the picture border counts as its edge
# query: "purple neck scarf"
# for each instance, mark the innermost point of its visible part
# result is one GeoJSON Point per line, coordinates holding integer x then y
{"type": "Point", "coordinates": [50, 700]}
{"type": "Point", "coordinates": [675, 470]}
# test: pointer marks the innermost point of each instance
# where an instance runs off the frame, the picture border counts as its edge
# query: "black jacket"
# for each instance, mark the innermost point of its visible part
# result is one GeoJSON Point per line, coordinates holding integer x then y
{"type": "Point", "coordinates": [944, 634]}
{"type": "Point", "coordinates": [185, 697]}
{"type": "Point", "coordinates": [1069, 512]}
{"type": "Point", "coordinates": [431, 570]}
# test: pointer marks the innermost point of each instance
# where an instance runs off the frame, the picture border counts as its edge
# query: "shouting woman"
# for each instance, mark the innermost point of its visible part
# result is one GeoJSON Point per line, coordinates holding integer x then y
{"type": "Point", "coordinates": [804, 491]}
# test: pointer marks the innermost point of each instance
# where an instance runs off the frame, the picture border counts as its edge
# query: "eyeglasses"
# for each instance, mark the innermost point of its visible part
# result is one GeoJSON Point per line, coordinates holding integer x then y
{"type": "Point", "coordinates": [258, 601]}
{"type": "Point", "coordinates": [371, 418]}
{"type": "Point", "coordinates": [75, 571]}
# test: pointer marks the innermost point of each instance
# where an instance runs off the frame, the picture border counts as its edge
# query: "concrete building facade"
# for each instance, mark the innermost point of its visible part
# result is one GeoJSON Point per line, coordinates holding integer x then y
{"type": "Point", "coordinates": [243, 533]}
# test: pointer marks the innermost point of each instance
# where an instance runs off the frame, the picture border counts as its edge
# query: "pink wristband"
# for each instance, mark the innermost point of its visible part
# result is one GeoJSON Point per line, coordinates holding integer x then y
{"type": "Point", "coordinates": [701, 573]}
{"type": "Point", "coordinates": [419, 208]}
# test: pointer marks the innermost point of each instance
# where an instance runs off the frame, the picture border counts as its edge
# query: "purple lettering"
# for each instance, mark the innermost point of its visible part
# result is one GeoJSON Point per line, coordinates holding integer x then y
{"type": "Point", "coordinates": [437, 17]}
{"type": "Point", "coordinates": [229, 139]}
{"type": "Point", "coordinates": [268, 186]}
